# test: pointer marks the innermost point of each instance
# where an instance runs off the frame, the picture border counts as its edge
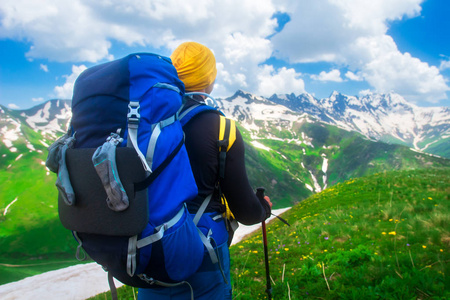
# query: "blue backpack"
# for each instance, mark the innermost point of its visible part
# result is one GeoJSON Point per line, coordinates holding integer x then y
{"type": "Point", "coordinates": [124, 175]}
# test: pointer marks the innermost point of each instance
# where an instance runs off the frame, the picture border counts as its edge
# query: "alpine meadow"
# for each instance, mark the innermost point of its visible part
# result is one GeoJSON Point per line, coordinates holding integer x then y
{"type": "Point", "coordinates": [367, 180]}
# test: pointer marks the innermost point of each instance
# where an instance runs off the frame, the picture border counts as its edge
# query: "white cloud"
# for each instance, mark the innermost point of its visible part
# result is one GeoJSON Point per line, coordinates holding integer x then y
{"type": "Point", "coordinates": [58, 30]}
{"type": "Point", "coordinates": [323, 30]}
{"type": "Point", "coordinates": [84, 31]}
{"type": "Point", "coordinates": [352, 76]}
{"type": "Point", "coordinates": [278, 82]}
{"type": "Point", "coordinates": [333, 75]}
{"type": "Point", "coordinates": [445, 64]}
{"type": "Point", "coordinates": [241, 34]}
{"type": "Point", "coordinates": [13, 106]}
{"type": "Point", "coordinates": [39, 99]}
{"type": "Point", "coordinates": [371, 16]}
{"type": "Point", "coordinates": [352, 33]}
{"type": "Point", "coordinates": [389, 70]}
{"type": "Point", "coordinates": [43, 67]}
{"type": "Point", "coordinates": [66, 90]}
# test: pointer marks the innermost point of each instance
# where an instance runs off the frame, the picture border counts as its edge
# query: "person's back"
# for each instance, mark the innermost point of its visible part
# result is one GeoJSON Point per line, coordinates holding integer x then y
{"type": "Point", "coordinates": [196, 67]}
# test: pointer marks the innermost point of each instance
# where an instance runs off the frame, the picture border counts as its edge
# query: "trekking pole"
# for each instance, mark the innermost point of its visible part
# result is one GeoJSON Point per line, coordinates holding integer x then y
{"type": "Point", "coordinates": [260, 195]}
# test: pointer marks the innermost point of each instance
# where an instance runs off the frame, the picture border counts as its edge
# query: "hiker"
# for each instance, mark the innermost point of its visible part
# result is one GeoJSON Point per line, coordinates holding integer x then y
{"type": "Point", "coordinates": [196, 67]}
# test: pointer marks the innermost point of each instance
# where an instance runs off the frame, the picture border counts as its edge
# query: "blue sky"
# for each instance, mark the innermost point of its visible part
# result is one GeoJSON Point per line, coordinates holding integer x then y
{"type": "Point", "coordinates": [261, 46]}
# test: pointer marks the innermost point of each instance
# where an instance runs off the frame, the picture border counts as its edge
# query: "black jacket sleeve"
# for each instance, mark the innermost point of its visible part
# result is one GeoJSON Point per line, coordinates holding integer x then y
{"type": "Point", "coordinates": [244, 204]}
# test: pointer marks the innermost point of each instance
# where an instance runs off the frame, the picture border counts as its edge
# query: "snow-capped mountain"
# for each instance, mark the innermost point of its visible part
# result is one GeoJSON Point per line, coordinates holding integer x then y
{"type": "Point", "coordinates": [47, 121]}
{"type": "Point", "coordinates": [382, 117]}
{"type": "Point", "coordinates": [50, 117]}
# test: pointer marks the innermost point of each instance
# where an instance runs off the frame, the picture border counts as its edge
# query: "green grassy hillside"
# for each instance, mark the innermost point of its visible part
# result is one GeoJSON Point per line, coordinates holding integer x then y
{"type": "Point", "coordinates": [32, 240]}
{"type": "Point", "coordinates": [385, 236]}
{"type": "Point", "coordinates": [289, 166]}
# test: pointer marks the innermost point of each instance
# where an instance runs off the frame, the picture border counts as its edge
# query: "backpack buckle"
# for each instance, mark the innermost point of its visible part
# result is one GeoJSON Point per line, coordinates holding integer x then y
{"type": "Point", "coordinates": [134, 114]}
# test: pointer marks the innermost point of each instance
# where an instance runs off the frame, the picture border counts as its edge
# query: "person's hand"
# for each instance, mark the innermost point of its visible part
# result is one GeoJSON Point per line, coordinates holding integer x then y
{"type": "Point", "coordinates": [268, 201]}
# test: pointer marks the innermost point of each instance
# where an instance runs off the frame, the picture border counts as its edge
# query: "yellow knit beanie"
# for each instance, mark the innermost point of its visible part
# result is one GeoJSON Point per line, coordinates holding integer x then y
{"type": "Point", "coordinates": [195, 64]}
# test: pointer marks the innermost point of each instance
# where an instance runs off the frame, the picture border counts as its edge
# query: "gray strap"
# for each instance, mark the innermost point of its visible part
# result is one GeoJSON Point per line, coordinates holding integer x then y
{"type": "Point", "coordinates": [131, 257]}
{"type": "Point", "coordinates": [215, 218]}
{"type": "Point", "coordinates": [79, 248]}
{"type": "Point", "coordinates": [112, 287]}
{"type": "Point", "coordinates": [202, 209]}
{"type": "Point", "coordinates": [186, 111]}
{"type": "Point", "coordinates": [168, 121]}
{"type": "Point", "coordinates": [152, 281]}
{"type": "Point", "coordinates": [152, 144]}
{"type": "Point", "coordinates": [151, 238]}
{"type": "Point", "coordinates": [167, 86]}
{"type": "Point", "coordinates": [133, 125]}
{"type": "Point", "coordinates": [207, 242]}
{"type": "Point", "coordinates": [154, 138]}
{"type": "Point", "coordinates": [160, 230]}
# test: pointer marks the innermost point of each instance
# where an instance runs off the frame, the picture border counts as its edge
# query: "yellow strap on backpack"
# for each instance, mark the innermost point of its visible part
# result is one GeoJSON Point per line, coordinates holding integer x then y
{"type": "Point", "coordinates": [227, 127]}
{"type": "Point", "coordinates": [228, 214]}
{"type": "Point", "coordinates": [232, 131]}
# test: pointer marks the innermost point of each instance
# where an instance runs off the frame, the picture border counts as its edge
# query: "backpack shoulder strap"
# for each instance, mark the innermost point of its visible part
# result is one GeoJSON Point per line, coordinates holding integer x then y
{"type": "Point", "coordinates": [227, 137]}
{"type": "Point", "coordinates": [185, 115]}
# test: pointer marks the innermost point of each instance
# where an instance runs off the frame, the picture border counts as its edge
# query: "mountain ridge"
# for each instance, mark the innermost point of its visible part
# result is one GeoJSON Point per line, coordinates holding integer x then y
{"type": "Point", "coordinates": [382, 117]}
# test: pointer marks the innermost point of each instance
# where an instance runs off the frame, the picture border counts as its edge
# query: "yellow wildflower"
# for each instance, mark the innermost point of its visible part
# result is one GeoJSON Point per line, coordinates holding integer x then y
{"type": "Point", "coordinates": [423, 246]}
{"type": "Point", "coordinates": [392, 233]}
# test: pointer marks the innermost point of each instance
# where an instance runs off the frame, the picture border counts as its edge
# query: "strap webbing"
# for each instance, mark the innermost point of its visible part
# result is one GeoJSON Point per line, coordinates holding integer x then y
{"type": "Point", "coordinates": [207, 242]}
{"type": "Point", "coordinates": [154, 137]}
{"type": "Point", "coordinates": [152, 144]}
{"type": "Point", "coordinates": [160, 230]}
{"type": "Point", "coordinates": [133, 125]}
{"type": "Point", "coordinates": [131, 256]}
{"type": "Point", "coordinates": [223, 143]}
{"type": "Point", "coordinates": [227, 131]}
{"type": "Point", "coordinates": [202, 209]}
{"type": "Point", "coordinates": [112, 286]}
{"type": "Point", "coordinates": [152, 281]}
{"type": "Point", "coordinates": [181, 116]}
{"type": "Point", "coordinates": [147, 181]}
{"type": "Point", "coordinates": [205, 239]}
{"type": "Point", "coordinates": [79, 247]}
{"type": "Point", "coordinates": [167, 86]}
